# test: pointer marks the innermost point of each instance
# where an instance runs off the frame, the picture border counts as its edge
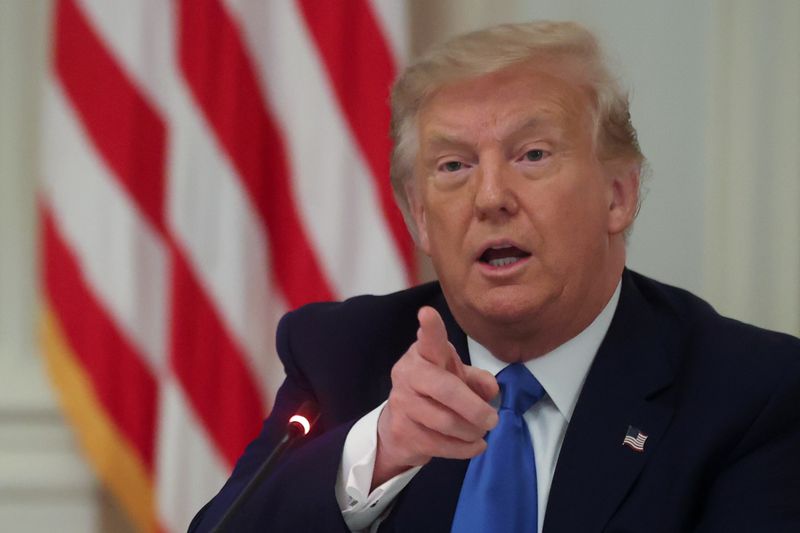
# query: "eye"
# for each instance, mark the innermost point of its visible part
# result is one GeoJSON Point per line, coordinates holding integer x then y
{"type": "Point", "coordinates": [534, 155]}
{"type": "Point", "coordinates": [452, 166]}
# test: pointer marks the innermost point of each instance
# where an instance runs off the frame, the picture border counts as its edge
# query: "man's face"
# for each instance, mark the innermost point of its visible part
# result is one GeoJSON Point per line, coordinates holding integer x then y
{"type": "Point", "coordinates": [511, 202]}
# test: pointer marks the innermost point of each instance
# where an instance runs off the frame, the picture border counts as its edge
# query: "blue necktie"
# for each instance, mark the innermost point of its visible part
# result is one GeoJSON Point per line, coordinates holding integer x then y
{"type": "Point", "coordinates": [499, 491]}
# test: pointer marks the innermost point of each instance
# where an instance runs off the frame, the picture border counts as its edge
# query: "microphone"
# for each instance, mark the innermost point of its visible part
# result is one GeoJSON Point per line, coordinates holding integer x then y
{"type": "Point", "coordinates": [299, 425]}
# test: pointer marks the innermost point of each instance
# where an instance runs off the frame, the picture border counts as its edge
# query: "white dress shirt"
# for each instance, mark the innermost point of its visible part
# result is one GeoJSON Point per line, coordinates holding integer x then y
{"type": "Point", "coordinates": [561, 372]}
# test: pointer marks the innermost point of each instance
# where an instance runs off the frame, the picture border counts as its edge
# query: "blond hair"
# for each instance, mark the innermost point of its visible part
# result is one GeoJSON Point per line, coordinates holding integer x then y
{"type": "Point", "coordinates": [474, 54]}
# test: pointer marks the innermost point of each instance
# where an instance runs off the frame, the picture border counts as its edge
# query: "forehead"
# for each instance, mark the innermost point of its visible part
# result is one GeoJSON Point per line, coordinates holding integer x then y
{"type": "Point", "coordinates": [499, 103]}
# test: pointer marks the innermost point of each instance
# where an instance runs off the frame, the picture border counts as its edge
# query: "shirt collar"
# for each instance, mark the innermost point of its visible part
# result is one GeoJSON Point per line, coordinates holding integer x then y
{"type": "Point", "coordinates": [563, 370]}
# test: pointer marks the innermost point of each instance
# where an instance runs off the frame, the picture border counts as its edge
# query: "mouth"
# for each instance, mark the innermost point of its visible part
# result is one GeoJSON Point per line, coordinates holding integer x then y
{"type": "Point", "coordinates": [503, 255]}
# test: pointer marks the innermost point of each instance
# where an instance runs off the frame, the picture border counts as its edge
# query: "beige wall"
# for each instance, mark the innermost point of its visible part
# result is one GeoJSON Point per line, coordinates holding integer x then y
{"type": "Point", "coordinates": [42, 481]}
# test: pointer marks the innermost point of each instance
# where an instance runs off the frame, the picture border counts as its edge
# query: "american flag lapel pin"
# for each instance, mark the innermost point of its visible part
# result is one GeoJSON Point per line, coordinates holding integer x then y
{"type": "Point", "coordinates": [634, 439]}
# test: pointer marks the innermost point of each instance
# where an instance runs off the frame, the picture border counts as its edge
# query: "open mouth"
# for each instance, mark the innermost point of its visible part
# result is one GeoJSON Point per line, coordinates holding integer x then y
{"type": "Point", "coordinates": [502, 255]}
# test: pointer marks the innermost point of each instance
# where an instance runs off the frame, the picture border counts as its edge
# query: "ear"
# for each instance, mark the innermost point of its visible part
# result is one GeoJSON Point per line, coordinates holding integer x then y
{"type": "Point", "coordinates": [417, 208]}
{"type": "Point", "coordinates": [623, 196]}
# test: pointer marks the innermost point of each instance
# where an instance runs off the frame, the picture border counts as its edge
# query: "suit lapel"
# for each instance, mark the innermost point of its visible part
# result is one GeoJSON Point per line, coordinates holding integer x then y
{"type": "Point", "coordinates": [595, 470]}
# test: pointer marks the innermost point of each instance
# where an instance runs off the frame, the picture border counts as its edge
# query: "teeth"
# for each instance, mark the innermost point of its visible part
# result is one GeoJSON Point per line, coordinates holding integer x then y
{"type": "Point", "coordinates": [503, 261]}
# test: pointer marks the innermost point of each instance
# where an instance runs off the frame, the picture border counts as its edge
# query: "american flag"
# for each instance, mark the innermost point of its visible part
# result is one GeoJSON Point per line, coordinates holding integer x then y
{"type": "Point", "coordinates": [634, 438]}
{"type": "Point", "coordinates": [207, 165]}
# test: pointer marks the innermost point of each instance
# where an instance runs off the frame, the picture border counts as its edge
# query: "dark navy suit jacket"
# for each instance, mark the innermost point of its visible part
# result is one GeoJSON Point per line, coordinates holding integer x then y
{"type": "Point", "coordinates": [718, 399]}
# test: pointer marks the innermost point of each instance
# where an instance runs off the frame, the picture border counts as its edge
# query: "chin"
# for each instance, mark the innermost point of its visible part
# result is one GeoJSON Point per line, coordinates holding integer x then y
{"type": "Point", "coordinates": [508, 305]}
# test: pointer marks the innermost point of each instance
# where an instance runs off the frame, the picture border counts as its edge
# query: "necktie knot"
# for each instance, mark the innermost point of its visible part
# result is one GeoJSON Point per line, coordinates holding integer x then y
{"type": "Point", "coordinates": [519, 390]}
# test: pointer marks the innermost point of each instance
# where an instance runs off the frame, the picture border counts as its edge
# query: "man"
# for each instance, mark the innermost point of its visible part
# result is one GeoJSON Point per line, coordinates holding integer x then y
{"type": "Point", "coordinates": [518, 170]}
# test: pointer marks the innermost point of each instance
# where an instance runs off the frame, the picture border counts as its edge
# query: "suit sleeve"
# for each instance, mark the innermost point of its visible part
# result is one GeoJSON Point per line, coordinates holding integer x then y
{"type": "Point", "coordinates": [299, 494]}
{"type": "Point", "coordinates": [759, 489]}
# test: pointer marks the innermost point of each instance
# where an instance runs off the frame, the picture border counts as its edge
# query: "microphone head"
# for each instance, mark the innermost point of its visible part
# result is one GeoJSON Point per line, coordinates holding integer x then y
{"type": "Point", "coordinates": [304, 423]}
{"type": "Point", "coordinates": [304, 416]}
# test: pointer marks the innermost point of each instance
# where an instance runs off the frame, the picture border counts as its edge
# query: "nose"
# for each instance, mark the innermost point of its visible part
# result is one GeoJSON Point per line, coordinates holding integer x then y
{"type": "Point", "coordinates": [495, 198]}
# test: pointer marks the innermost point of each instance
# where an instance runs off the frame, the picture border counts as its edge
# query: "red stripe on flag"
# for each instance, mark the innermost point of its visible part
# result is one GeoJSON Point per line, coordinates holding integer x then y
{"type": "Point", "coordinates": [361, 69]}
{"type": "Point", "coordinates": [210, 368]}
{"type": "Point", "coordinates": [124, 128]}
{"type": "Point", "coordinates": [223, 82]}
{"type": "Point", "coordinates": [125, 386]}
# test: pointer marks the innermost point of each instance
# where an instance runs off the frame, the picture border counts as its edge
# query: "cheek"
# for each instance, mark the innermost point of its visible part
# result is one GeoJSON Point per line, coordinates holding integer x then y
{"type": "Point", "coordinates": [444, 239]}
{"type": "Point", "coordinates": [448, 218]}
{"type": "Point", "coordinates": [570, 215]}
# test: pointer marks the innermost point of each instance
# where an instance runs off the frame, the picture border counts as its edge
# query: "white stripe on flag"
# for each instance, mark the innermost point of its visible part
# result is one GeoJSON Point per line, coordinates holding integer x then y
{"type": "Point", "coordinates": [214, 224]}
{"type": "Point", "coordinates": [334, 191]}
{"type": "Point", "coordinates": [123, 258]}
{"type": "Point", "coordinates": [141, 36]}
{"type": "Point", "coordinates": [188, 469]}
{"type": "Point", "coordinates": [392, 16]}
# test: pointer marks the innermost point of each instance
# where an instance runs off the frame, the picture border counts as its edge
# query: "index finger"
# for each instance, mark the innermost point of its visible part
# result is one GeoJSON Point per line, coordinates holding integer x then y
{"type": "Point", "coordinates": [433, 343]}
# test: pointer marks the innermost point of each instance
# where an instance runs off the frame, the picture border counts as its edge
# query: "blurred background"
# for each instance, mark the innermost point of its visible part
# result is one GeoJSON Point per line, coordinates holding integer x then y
{"type": "Point", "coordinates": [174, 175]}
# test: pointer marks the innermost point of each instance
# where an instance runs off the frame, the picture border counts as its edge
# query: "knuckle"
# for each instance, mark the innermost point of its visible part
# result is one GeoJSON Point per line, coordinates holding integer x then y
{"type": "Point", "coordinates": [406, 365]}
{"type": "Point", "coordinates": [393, 404]}
{"type": "Point", "coordinates": [395, 433]}
{"type": "Point", "coordinates": [399, 371]}
{"type": "Point", "coordinates": [398, 405]}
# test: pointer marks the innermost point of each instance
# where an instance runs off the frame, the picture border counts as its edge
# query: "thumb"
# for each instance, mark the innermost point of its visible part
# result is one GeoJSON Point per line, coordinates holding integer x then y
{"type": "Point", "coordinates": [482, 382]}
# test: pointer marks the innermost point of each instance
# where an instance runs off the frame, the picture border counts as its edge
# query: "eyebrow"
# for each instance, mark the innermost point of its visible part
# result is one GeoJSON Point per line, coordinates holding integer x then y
{"type": "Point", "coordinates": [532, 123]}
{"type": "Point", "coordinates": [443, 140]}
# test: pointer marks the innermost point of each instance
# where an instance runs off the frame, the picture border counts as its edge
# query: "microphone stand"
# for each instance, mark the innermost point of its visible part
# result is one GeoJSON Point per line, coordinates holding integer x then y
{"type": "Point", "coordinates": [299, 425]}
